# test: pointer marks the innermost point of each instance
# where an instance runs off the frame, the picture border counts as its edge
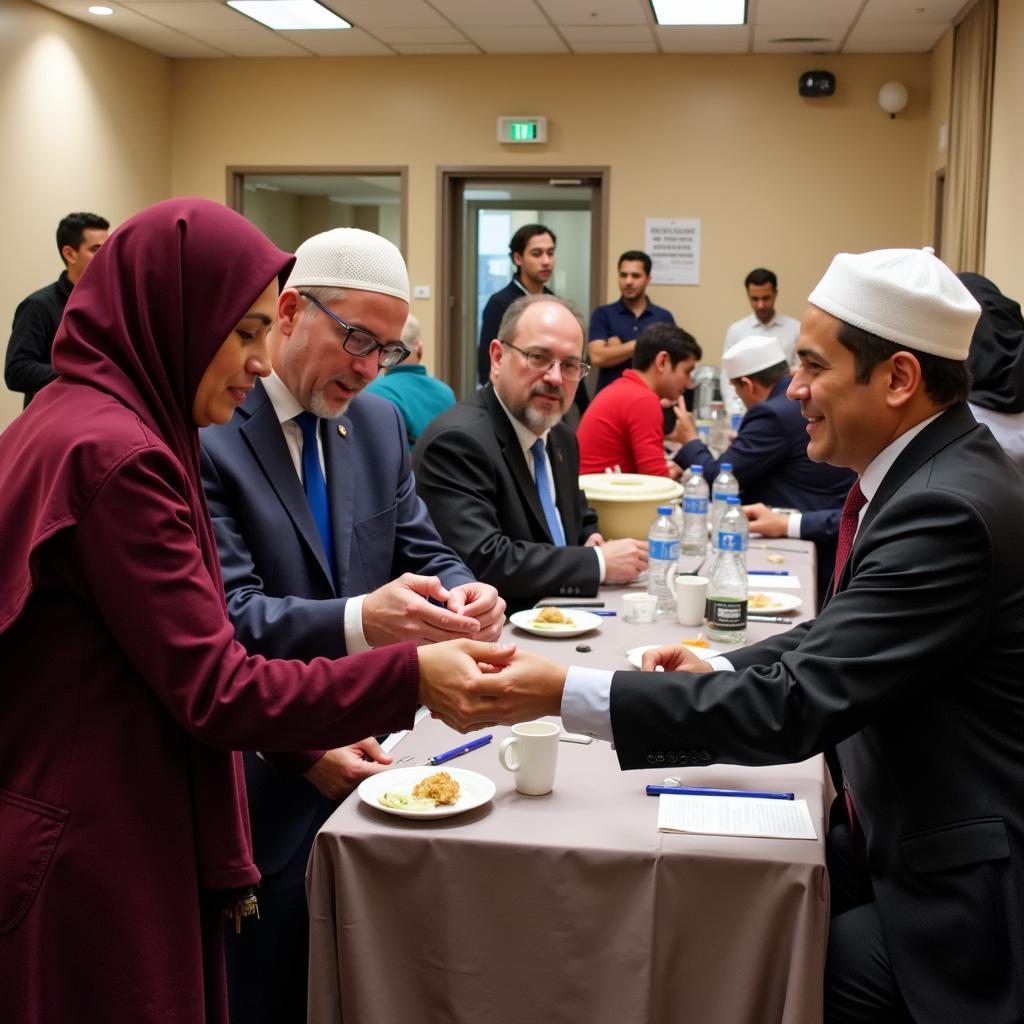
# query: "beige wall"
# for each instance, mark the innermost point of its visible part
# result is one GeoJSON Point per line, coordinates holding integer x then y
{"type": "Point", "coordinates": [777, 180]}
{"type": "Point", "coordinates": [1005, 229]}
{"type": "Point", "coordinates": [74, 137]}
{"type": "Point", "coordinates": [937, 142]}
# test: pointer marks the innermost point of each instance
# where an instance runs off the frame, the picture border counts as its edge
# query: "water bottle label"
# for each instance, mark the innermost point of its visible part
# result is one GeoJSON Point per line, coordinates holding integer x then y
{"type": "Point", "coordinates": [695, 506]}
{"type": "Point", "coordinates": [727, 613]}
{"type": "Point", "coordinates": [663, 550]}
{"type": "Point", "coordinates": [737, 419]}
{"type": "Point", "coordinates": [730, 541]}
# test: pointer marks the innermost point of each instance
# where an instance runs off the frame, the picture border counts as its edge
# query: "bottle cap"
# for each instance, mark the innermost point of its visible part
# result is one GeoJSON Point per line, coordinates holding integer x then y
{"type": "Point", "coordinates": [664, 510]}
{"type": "Point", "coordinates": [725, 467]}
{"type": "Point", "coordinates": [697, 469]}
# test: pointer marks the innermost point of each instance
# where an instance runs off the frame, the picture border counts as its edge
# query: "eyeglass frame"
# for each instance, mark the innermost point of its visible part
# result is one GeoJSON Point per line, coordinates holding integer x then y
{"type": "Point", "coordinates": [585, 367]}
{"type": "Point", "coordinates": [382, 348]}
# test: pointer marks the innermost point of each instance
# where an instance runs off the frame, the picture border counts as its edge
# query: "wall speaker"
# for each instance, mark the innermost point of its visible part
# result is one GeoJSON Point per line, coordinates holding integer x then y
{"type": "Point", "coordinates": [817, 83]}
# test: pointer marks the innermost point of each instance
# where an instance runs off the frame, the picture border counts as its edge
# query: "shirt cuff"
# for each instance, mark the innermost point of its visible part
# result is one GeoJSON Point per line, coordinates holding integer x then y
{"type": "Point", "coordinates": [793, 526]}
{"type": "Point", "coordinates": [355, 639]}
{"type": "Point", "coordinates": [586, 699]}
{"type": "Point", "coordinates": [719, 663]}
{"type": "Point", "coordinates": [600, 564]}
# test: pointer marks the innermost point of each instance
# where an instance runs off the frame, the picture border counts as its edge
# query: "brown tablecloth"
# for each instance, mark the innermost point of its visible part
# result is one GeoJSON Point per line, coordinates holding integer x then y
{"type": "Point", "coordinates": [571, 907]}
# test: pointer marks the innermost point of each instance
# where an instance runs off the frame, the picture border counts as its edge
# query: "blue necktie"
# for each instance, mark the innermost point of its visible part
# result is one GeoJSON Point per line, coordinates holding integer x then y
{"type": "Point", "coordinates": [540, 473]}
{"type": "Point", "coordinates": [314, 484]}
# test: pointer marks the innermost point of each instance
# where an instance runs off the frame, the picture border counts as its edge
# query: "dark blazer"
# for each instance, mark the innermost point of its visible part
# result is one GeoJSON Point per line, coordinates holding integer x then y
{"type": "Point", "coordinates": [280, 595]}
{"type": "Point", "coordinates": [471, 472]}
{"type": "Point", "coordinates": [914, 669]}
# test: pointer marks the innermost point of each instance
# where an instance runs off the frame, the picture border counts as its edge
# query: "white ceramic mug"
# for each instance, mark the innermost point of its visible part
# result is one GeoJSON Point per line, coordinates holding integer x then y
{"type": "Point", "coordinates": [691, 598]}
{"type": "Point", "coordinates": [531, 753]}
{"type": "Point", "coordinates": [639, 607]}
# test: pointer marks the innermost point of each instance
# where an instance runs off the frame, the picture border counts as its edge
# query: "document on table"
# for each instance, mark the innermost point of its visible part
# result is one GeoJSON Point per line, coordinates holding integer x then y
{"type": "Point", "coordinates": [735, 816]}
{"type": "Point", "coordinates": [769, 581]}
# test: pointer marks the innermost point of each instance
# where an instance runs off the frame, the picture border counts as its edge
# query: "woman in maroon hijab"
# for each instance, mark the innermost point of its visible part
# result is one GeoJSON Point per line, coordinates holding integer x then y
{"type": "Point", "coordinates": [123, 831]}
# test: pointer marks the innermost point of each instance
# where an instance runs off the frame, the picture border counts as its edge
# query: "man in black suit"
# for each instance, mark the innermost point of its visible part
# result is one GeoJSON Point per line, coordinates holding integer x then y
{"type": "Point", "coordinates": [912, 671]}
{"type": "Point", "coordinates": [476, 467]}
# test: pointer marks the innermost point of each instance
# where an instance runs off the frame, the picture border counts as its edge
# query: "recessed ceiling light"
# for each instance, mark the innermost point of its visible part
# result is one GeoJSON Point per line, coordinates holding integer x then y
{"type": "Point", "coordinates": [700, 12]}
{"type": "Point", "coordinates": [289, 15]}
{"type": "Point", "coordinates": [101, 10]}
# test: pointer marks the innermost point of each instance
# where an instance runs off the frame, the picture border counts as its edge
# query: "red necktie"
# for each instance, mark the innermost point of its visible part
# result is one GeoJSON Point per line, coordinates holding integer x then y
{"type": "Point", "coordinates": [855, 501]}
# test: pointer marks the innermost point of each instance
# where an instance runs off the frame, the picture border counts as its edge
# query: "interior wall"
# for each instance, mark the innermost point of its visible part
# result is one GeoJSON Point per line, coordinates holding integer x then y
{"type": "Point", "coordinates": [1005, 227]}
{"type": "Point", "coordinates": [777, 179]}
{"type": "Point", "coordinates": [74, 138]}
{"type": "Point", "coordinates": [937, 143]}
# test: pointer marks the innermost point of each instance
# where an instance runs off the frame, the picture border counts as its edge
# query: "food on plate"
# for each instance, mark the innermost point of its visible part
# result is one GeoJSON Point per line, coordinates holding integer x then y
{"type": "Point", "coordinates": [439, 787]}
{"type": "Point", "coordinates": [552, 617]}
{"type": "Point", "coordinates": [776, 559]}
{"type": "Point", "coordinates": [699, 642]}
{"type": "Point", "coordinates": [761, 601]}
{"type": "Point", "coordinates": [402, 801]}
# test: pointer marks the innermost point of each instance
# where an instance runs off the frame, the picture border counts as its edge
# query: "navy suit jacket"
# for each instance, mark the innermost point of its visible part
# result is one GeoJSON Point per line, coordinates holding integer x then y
{"type": "Point", "coordinates": [914, 670]}
{"type": "Point", "coordinates": [280, 594]}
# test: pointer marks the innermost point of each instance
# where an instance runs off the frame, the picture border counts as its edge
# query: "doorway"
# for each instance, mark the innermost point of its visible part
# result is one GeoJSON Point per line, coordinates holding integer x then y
{"type": "Point", "coordinates": [480, 210]}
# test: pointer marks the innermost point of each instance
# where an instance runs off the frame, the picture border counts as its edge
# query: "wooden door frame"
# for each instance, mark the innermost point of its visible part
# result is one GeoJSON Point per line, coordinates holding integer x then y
{"type": "Point", "coordinates": [451, 180]}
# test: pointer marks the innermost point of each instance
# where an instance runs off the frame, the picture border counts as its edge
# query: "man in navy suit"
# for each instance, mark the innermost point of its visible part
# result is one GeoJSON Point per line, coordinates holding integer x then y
{"type": "Point", "coordinates": [912, 670]}
{"type": "Point", "coordinates": [355, 563]}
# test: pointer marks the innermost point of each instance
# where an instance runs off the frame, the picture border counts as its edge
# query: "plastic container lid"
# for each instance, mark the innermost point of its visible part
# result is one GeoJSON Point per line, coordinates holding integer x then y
{"type": "Point", "coordinates": [630, 487]}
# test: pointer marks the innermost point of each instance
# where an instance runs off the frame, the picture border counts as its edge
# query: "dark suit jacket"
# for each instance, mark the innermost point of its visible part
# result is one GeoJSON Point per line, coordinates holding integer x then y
{"type": "Point", "coordinates": [914, 669]}
{"type": "Point", "coordinates": [280, 595]}
{"type": "Point", "coordinates": [471, 472]}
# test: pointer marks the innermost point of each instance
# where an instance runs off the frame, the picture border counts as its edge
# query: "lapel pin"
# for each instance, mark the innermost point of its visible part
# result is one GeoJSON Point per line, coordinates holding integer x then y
{"type": "Point", "coordinates": [342, 431]}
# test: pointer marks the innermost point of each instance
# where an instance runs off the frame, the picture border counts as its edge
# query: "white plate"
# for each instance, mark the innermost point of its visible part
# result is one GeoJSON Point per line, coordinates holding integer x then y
{"type": "Point", "coordinates": [474, 790]}
{"type": "Point", "coordinates": [636, 654]}
{"type": "Point", "coordinates": [582, 622]}
{"type": "Point", "coordinates": [779, 602]}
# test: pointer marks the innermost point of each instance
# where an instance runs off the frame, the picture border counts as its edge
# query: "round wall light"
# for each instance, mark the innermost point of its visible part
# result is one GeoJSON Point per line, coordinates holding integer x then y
{"type": "Point", "coordinates": [893, 97]}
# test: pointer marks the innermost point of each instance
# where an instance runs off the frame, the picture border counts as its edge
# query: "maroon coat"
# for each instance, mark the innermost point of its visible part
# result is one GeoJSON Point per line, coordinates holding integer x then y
{"type": "Point", "coordinates": [121, 814]}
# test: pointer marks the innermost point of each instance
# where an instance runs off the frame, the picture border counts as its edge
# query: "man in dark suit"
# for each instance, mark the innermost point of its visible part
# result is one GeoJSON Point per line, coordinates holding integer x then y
{"type": "Point", "coordinates": [486, 483]}
{"type": "Point", "coordinates": [769, 453]}
{"type": "Point", "coordinates": [294, 592]}
{"type": "Point", "coordinates": [912, 669]}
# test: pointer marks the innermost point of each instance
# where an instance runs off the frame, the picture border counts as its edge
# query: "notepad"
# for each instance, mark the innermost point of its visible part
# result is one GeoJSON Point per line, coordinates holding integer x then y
{"type": "Point", "coordinates": [735, 816]}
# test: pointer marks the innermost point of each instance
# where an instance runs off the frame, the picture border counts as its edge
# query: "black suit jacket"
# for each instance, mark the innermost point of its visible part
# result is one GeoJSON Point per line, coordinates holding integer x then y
{"type": "Point", "coordinates": [915, 669]}
{"type": "Point", "coordinates": [471, 472]}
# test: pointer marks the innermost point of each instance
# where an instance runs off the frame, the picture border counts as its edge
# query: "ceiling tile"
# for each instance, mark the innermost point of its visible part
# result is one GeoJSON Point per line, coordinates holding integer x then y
{"type": "Point", "coordinates": [516, 40]}
{"type": "Point", "coordinates": [607, 35]}
{"type": "Point", "coordinates": [375, 14]}
{"type": "Point", "coordinates": [495, 13]}
{"type": "Point", "coordinates": [649, 46]}
{"type": "Point", "coordinates": [413, 49]}
{"type": "Point", "coordinates": [703, 38]}
{"type": "Point", "coordinates": [597, 12]}
{"type": "Point", "coordinates": [264, 44]}
{"type": "Point", "coordinates": [893, 38]}
{"type": "Point", "coordinates": [351, 42]}
{"type": "Point", "coordinates": [441, 34]}
{"type": "Point", "coordinates": [911, 12]}
{"type": "Point", "coordinates": [798, 12]}
{"type": "Point", "coordinates": [195, 14]}
{"type": "Point", "coordinates": [170, 43]}
{"type": "Point", "coordinates": [765, 36]}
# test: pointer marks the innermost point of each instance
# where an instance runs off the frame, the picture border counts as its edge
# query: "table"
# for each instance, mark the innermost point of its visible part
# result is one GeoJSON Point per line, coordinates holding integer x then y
{"type": "Point", "coordinates": [571, 907]}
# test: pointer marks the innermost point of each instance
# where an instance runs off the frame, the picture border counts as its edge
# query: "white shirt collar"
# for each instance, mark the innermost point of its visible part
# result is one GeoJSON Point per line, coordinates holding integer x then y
{"type": "Point", "coordinates": [880, 465]}
{"type": "Point", "coordinates": [286, 405]}
{"type": "Point", "coordinates": [524, 434]}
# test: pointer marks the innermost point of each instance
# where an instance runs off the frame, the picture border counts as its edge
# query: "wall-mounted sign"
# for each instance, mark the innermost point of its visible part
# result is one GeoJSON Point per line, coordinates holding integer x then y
{"type": "Point", "coordinates": [518, 130]}
{"type": "Point", "coordinates": [673, 243]}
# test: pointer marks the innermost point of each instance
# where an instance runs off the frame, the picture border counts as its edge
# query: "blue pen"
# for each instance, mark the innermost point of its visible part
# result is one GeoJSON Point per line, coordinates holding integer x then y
{"type": "Point", "coordinates": [598, 611]}
{"type": "Point", "coordinates": [693, 791]}
{"type": "Point", "coordinates": [480, 741]}
{"type": "Point", "coordinates": [767, 572]}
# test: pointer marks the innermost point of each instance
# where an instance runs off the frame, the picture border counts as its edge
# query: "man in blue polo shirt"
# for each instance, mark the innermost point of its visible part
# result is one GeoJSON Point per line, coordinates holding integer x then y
{"type": "Point", "coordinates": [614, 328]}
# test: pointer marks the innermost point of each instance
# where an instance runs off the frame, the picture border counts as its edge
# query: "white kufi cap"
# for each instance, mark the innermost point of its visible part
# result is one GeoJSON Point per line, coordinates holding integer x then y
{"type": "Point", "coordinates": [350, 258]}
{"type": "Point", "coordinates": [752, 355]}
{"type": "Point", "coordinates": [907, 296]}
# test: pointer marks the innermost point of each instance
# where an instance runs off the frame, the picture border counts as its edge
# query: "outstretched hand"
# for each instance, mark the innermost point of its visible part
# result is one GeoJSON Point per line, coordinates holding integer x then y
{"type": "Point", "coordinates": [673, 658]}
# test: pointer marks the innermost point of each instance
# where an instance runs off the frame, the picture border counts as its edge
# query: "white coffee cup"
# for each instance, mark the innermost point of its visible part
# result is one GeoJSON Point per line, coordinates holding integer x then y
{"type": "Point", "coordinates": [531, 753]}
{"type": "Point", "coordinates": [691, 598]}
{"type": "Point", "coordinates": [639, 607]}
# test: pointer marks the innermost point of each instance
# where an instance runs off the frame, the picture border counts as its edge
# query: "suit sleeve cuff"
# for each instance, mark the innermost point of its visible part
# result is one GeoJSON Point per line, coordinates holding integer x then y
{"type": "Point", "coordinates": [355, 639]}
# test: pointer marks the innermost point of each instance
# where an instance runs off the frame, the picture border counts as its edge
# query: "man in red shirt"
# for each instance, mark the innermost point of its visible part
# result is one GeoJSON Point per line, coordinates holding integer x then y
{"type": "Point", "coordinates": [623, 428]}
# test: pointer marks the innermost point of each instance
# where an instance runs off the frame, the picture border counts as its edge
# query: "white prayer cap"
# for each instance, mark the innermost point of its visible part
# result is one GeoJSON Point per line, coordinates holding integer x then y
{"type": "Point", "coordinates": [350, 258]}
{"type": "Point", "coordinates": [907, 296]}
{"type": "Point", "coordinates": [752, 355]}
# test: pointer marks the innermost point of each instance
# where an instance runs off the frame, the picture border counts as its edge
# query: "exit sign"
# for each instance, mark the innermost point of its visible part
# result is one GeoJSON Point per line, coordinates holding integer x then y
{"type": "Point", "coordinates": [519, 130]}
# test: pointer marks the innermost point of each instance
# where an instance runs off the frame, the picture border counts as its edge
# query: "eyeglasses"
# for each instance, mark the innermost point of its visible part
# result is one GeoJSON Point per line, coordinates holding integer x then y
{"type": "Point", "coordinates": [357, 342]}
{"type": "Point", "coordinates": [540, 362]}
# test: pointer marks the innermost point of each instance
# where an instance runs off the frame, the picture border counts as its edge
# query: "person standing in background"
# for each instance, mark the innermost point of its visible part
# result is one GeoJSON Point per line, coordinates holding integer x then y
{"type": "Point", "coordinates": [27, 366]}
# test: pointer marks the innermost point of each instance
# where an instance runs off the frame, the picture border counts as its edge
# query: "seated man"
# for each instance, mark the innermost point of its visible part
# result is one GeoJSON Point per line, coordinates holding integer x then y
{"type": "Point", "coordinates": [499, 470]}
{"type": "Point", "coordinates": [417, 396]}
{"type": "Point", "coordinates": [769, 452]}
{"type": "Point", "coordinates": [623, 427]}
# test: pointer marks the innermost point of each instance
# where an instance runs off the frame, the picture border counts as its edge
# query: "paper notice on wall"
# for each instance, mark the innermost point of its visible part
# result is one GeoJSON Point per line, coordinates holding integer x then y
{"type": "Point", "coordinates": [735, 816]}
{"type": "Point", "coordinates": [673, 243]}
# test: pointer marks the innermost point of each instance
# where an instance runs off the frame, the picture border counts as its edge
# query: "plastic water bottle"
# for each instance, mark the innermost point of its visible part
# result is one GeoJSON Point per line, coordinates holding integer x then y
{"type": "Point", "coordinates": [737, 410]}
{"type": "Point", "coordinates": [694, 536]}
{"type": "Point", "coordinates": [734, 524]}
{"type": "Point", "coordinates": [718, 435]}
{"type": "Point", "coordinates": [724, 485]}
{"type": "Point", "coordinates": [727, 581]}
{"type": "Point", "coordinates": [663, 557]}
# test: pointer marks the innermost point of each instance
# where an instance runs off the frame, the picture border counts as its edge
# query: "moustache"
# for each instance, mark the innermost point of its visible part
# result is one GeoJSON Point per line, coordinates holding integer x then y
{"type": "Point", "coordinates": [549, 390]}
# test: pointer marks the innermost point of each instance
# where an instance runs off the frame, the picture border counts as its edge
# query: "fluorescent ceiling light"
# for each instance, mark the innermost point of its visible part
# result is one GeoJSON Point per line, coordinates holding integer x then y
{"type": "Point", "coordinates": [101, 10]}
{"type": "Point", "coordinates": [700, 12]}
{"type": "Point", "coordinates": [289, 15]}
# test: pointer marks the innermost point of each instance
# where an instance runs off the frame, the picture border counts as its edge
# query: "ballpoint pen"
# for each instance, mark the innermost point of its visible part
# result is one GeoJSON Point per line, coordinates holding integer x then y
{"type": "Point", "coordinates": [781, 620]}
{"type": "Point", "coordinates": [768, 572]}
{"type": "Point", "coordinates": [694, 791]}
{"type": "Point", "coordinates": [480, 741]}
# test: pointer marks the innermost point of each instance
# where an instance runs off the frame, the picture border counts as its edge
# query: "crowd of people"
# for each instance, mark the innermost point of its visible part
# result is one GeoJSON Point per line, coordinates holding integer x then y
{"type": "Point", "coordinates": [260, 554]}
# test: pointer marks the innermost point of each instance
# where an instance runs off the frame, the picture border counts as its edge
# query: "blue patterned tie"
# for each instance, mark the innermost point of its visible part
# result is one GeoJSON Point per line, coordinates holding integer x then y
{"type": "Point", "coordinates": [540, 473]}
{"type": "Point", "coordinates": [314, 484]}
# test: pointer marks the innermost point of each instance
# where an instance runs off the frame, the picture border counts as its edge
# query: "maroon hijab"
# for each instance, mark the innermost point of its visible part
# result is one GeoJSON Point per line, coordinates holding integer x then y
{"type": "Point", "coordinates": [142, 325]}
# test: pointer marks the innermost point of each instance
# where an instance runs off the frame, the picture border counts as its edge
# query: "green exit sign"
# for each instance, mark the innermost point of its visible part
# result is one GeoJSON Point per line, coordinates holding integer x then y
{"type": "Point", "coordinates": [518, 130]}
